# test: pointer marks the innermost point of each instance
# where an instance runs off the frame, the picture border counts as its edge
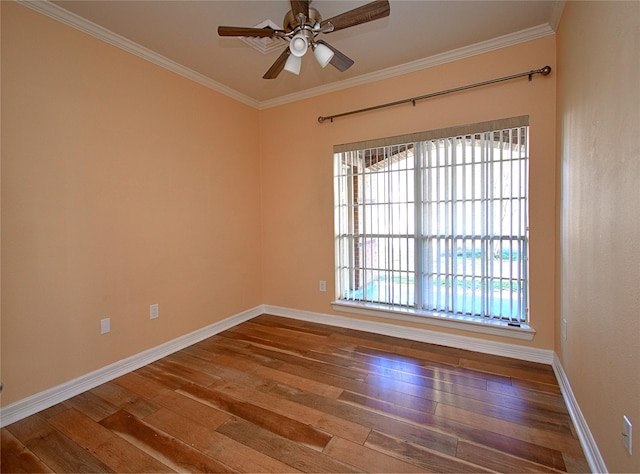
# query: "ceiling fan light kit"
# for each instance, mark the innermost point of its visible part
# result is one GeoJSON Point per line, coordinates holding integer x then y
{"type": "Point", "coordinates": [301, 27]}
{"type": "Point", "coordinates": [299, 45]}
{"type": "Point", "coordinates": [323, 54]}
{"type": "Point", "coordinates": [293, 64]}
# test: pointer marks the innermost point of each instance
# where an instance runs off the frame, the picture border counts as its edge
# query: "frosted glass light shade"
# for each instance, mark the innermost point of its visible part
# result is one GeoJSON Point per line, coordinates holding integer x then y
{"type": "Point", "coordinates": [298, 45]}
{"type": "Point", "coordinates": [293, 64]}
{"type": "Point", "coordinates": [323, 54]}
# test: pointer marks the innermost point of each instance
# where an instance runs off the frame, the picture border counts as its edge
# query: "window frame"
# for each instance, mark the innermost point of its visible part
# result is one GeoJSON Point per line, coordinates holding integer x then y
{"type": "Point", "coordinates": [501, 326]}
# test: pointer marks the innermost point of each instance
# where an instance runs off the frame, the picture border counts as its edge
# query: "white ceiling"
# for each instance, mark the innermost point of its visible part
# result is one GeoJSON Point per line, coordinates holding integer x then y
{"type": "Point", "coordinates": [183, 33]}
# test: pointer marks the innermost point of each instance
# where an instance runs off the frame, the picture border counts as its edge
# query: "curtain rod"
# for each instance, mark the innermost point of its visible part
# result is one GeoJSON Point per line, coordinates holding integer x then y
{"type": "Point", "coordinates": [544, 71]}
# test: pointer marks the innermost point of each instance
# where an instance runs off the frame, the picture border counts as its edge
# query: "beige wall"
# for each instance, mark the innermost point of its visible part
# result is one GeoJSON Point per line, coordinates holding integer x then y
{"type": "Point", "coordinates": [297, 168]}
{"type": "Point", "coordinates": [123, 185]}
{"type": "Point", "coordinates": [598, 124]}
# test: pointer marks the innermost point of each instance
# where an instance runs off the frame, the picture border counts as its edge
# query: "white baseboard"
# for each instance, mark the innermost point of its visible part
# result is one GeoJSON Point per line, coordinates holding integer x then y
{"type": "Point", "coordinates": [47, 398]}
{"type": "Point", "coordinates": [589, 446]}
{"type": "Point", "coordinates": [515, 351]}
{"type": "Point", "coordinates": [40, 401]}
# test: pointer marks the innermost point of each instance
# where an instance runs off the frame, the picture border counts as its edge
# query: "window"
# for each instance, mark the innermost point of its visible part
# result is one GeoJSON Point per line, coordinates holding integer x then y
{"type": "Point", "coordinates": [436, 223]}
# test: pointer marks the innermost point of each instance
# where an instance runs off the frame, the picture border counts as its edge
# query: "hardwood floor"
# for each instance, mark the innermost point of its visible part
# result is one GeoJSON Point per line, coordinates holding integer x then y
{"type": "Point", "coordinates": [281, 395]}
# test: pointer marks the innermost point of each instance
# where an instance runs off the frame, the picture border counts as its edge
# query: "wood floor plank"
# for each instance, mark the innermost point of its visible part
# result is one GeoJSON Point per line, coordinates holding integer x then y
{"type": "Point", "coordinates": [293, 454]}
{"type": "Point", "coordinates": [497, 460]}
{"type": "Point", "coordinates": [168, 379]}
{"type": "Point", "coordinates": [92, 405]}
{"type": "Point", "coordinates": [323, 421]}
{"type": "Point", "coordinates": [190, 369]}
{"type": "Point", "coordinates": [122, 398]}
{"type": "Point", "coordinates": [388, 408]}
{"type": "Point", "coordinates": [545, 387]}
{"type": "Point", "coordinates": [309, 364]}
{"type": "Point", "coordinates": [376, 421]}
{"type": "Point", "coordinates": [226, 372]}
{"type": "Point", "coordinates": [576, 463]}
{"type": "Point", "coordinates": [554, 416]}
{"type": "Point", "coordinates": [391, 346]}
{"type": "Point", "coordinates": [282, 395]}
{"type": "Point", "coordinates": [204, 438]}
{"type": "Point", "coordinates": [364, 458]}
{"type": "Point", "coordinates": [489, 407]}
{"type": "Point", "coordinates": [500, 442]}
{"type": "Point", "coordinates": [547, 438]}
{"type": "Point", "coordinates": [306, 337]}
{"type": "Point", "coordinates": [551, 399]}
{"type": "Point", "coordinates": [270, 420]}
{"type": "Point", "coordinates": [270, 320]}
{"type": "Point", "coordinates": [191, 410]}
{"type": "Point", "coordinates": [514, 370]}
{"type": "Point", "coordinates": [106, 446]}
{"type": "Point", "coordinates": [166, 449]}
{"type": "Point", "coordinates": [54, 448]}
{"type": "Point", "coordinates": [141, 386]}
{"type": "Point", "coordinates": [392, 397]}
{"type": "Point", "coordinates": [423, 457]}
{"type": "Point", "coordinates": [460, 430]}
{"type": "Point", "coordinates": [301, 383]}
{"type": "Point", "coordinates": [16, 457]}
{"type": "Point", "coordinates": [384, 364]}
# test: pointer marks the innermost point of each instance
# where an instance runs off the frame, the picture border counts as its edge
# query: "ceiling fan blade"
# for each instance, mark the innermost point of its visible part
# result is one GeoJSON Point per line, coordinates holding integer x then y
{"type": "Point", "coordinates": [277, 67]}
{"type": "Point", "coordinates": [368, 12]}
{"type": "Point", "coordinates": [300, 6]}
{"type": "Point", "coordinates": [240, 31]}
{"type": "Point", "coordinates": [340, 61]}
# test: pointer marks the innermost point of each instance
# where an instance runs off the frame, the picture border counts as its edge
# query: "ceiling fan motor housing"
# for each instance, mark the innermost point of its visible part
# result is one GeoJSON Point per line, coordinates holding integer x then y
{"type": "Point", "coordinates": [290, 22]}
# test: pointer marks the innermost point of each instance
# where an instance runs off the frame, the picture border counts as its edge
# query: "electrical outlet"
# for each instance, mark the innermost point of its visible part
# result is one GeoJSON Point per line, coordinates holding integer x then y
{"type": "Point", "coordinates": [323, 285]}
{"type": "Point", "coordinates": [153, 311]}
{"type": "Point", "coordinates": [626, 434]}
{"type": "Point", "coordinates": [105, 325]}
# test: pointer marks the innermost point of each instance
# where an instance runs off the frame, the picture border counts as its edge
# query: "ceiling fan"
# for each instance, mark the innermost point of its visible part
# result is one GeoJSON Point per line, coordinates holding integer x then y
{"type": "Point", "coordinates": [302, 25]}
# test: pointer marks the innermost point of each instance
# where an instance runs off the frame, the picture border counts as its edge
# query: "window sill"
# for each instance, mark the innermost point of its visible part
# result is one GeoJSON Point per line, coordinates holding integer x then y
{"type": "Point", "coordinates": [496, 328]}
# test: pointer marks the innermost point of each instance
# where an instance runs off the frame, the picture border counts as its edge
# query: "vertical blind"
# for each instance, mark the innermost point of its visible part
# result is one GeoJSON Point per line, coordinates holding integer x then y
{"type": "Point", "coordinates": [436, 221]}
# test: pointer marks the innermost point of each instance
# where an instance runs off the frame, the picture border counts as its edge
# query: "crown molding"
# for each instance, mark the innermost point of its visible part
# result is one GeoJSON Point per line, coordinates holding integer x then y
{"type": "Point", "coordinates": [556, 14]}
{"type": "Point", "coordinates": [82, 24]}
{"type": "Point", "coordinates": [500, 42]}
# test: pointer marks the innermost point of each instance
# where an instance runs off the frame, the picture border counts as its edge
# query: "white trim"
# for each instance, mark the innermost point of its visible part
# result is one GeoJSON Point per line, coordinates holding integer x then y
{"type": "Point", "coordinates": [496, 328]}
{"type": "Point", "coordinates": [47, 398]}
{"type": "Point", "coordinates": [52, 10]}
{"type": "Point", "coordinates": [530, 354]}
{"type": "Point", "coordinates": [71, 19]}
{"type": "Point", "coordinates": [589, 446]}
{"type": "Point", "coordinates": [556, 14]}
{"type": "Point", "coordinates": [511, 39]}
